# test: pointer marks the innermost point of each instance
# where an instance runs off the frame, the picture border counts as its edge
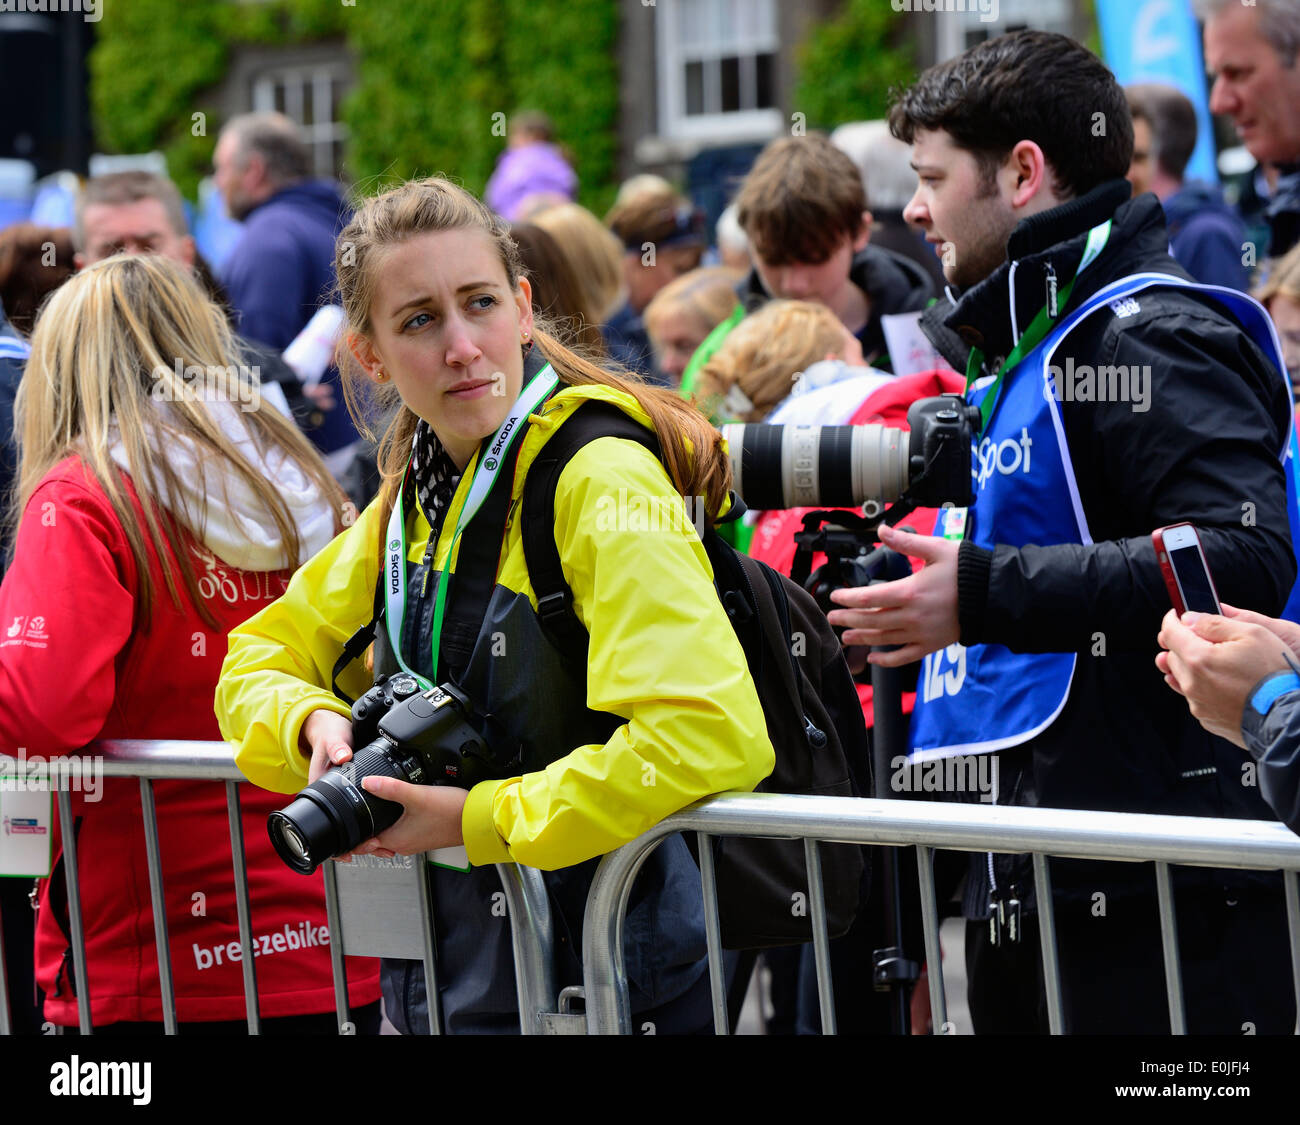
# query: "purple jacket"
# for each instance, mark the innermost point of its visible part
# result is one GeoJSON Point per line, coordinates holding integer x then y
{"type": "Point", "coordinates": [525, 171]}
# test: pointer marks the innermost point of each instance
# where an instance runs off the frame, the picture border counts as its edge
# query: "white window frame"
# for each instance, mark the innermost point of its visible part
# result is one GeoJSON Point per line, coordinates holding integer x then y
{"type": "Point", "coordinates": [1045, 15]}
{"type": "Point", "coordinates": [734, 126]}
{"type": "Point", "coordinates": [314, 81]}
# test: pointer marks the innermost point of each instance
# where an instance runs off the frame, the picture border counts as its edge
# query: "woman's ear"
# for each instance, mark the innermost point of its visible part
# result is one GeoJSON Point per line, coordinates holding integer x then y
{"type": "Point", "coordinates": [364, 353]}
{"type": "Point", "coordinates": [524, 299]}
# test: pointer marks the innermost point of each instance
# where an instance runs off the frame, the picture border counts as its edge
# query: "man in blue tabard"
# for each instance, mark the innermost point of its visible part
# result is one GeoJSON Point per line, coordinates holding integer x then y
{"type": "Point", "coordinates": [1116, 398]}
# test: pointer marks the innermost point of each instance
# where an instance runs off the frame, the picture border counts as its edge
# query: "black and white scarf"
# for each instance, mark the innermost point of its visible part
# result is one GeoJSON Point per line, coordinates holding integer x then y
{"type": "Point", "coordinates": [434, 473]}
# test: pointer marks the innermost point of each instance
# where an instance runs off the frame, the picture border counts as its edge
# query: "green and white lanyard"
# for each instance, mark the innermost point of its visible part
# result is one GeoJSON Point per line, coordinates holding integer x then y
{"type": "Point", "coordinates": [492, 455]}
{"type": "Point", "coordinates": [1039, 327]}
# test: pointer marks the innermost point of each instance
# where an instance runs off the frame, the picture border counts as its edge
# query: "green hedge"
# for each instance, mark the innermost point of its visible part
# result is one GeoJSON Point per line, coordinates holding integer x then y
{"type": "Point", "coordinates": [848, 65]}
{"type": "Point", "coordinates": [430, 76]}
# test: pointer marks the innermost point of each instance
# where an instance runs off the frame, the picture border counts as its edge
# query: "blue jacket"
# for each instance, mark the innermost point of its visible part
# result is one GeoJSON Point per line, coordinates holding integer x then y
{"type": "Point", "coordinates": [1206, 236]}
{"type": "Point", "coordinates": [282, 271]}
{"type": "Point", "coordinates": [13, 357]}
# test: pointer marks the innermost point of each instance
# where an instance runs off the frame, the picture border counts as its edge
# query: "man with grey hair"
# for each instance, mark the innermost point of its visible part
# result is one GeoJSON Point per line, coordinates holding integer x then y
{"type": "Point", "coordinates": [282, 269]}
{"type": "Point", "coordinates": [1250, 49]}
{"type": "Point", "coordinates": [139, 212]}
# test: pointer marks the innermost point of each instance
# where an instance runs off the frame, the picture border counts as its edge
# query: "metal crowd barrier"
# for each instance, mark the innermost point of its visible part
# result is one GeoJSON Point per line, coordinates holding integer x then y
{"type": "Point", "coordinates": [1123, 837]}
{"type": "Point", "coordinates": [1189, 841]}
{"type": "Point", "coordinates": [150, 761]}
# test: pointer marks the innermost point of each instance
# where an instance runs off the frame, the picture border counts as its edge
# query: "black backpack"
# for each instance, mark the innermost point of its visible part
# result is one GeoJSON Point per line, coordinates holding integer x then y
{"type": "Point", "coordinates": [814, 718]}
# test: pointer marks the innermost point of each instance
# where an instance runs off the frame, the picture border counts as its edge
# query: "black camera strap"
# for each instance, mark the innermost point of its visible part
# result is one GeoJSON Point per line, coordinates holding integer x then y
{"type": "Point", "coordinates": [357, 644]}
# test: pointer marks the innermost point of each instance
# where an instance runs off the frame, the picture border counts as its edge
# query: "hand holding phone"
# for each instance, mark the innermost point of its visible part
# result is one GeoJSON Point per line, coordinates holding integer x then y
{"type": "Point", "coordinates": [1187, 574]}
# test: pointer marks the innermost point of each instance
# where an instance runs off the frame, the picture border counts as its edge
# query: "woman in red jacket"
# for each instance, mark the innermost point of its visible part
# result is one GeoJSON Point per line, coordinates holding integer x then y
{"type": "Point", "coordinates": [159, 503]}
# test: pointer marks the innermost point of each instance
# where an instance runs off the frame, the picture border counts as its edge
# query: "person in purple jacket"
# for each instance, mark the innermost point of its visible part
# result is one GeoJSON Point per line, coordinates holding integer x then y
{"type": "Point", "coordinates": [282, 269]}
{"type": "Point", "coordinates": [531, 170]}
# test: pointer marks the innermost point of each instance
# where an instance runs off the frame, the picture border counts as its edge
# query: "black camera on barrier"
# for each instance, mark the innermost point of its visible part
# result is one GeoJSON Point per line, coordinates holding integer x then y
{"type": "Point", "coordinates": [424, 737]}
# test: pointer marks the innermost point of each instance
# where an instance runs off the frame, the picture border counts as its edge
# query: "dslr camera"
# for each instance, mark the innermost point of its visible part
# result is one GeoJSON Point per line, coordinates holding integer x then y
{"type": "Point", "coordinates": [844, 466]}
{"type": "Point", "coordinates": [398, 730]}
{"type": "Point", "coordinates": [847, 466]}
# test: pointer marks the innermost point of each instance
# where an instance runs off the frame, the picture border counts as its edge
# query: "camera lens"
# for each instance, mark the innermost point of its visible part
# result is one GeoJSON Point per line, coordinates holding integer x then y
{"type": "Point", "coordinates": [817, 466]}
{"type": "Point", "coordinates": [293, 842]}
{"type": "Point", "coordinates": [334, 813]}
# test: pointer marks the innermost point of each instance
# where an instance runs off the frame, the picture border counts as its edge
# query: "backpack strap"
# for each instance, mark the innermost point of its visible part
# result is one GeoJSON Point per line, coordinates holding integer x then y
{"type": "Point", "coordinates": [590, 421]}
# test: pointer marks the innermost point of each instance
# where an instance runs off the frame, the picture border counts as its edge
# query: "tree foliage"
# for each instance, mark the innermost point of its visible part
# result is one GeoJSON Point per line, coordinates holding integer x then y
{"type": "Point", "coordinates": [431, 75]}
{"type": "Point", "coordinates": [848, 65]}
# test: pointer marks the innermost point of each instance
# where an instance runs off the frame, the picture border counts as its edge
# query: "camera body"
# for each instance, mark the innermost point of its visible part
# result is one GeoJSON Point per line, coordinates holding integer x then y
{"type": "Point", "coordinates": [418, 736]}
{"type": "Point", "coordinates": [943, 438]}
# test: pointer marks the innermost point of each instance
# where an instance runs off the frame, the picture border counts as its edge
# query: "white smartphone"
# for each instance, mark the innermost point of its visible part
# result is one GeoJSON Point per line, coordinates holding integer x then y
{"type": "Point", "coordinates": [1187, 574]}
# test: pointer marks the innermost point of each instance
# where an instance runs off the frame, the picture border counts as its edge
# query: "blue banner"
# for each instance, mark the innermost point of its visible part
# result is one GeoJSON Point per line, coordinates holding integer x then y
{"type": "Point", "coordinates": [1158, 41]}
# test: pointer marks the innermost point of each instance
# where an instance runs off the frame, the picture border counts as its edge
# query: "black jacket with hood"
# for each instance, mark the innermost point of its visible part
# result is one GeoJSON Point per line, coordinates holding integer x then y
{"type": "Point", "coordinates": [892, 284]}
{"type": "Point", "coordinates": [1206, 450]}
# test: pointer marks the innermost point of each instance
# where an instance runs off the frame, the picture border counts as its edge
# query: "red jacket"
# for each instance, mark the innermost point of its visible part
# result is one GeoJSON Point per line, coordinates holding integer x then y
{"type": "Point", "coordinates": [774, 533]}
{"type": "Point", "coordinates": [71, 671]}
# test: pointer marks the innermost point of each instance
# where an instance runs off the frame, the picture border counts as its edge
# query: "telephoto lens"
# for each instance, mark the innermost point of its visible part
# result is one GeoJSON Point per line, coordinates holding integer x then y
{"type": "Point", "coordinates": [816, 466]}
{"type": "Point", "coordinates": [847, 466]}
{"type": "Point", "coordinates": [425, 738]}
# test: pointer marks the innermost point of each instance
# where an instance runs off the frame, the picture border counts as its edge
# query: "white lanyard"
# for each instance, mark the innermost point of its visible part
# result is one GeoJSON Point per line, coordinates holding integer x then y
{"type": "Point", "coordinates": [491, 458]}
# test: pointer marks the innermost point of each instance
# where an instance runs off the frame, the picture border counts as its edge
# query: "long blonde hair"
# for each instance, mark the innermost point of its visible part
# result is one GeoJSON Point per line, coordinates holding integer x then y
{"type": "Point", "coordinates": [109, 345]}
{"type": "Point", "coordinates": [692, 449]}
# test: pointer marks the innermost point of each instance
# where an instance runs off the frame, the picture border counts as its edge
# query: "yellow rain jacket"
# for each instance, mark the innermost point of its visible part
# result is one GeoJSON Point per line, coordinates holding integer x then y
{"type": "Point", "coordinates": [664, 665]}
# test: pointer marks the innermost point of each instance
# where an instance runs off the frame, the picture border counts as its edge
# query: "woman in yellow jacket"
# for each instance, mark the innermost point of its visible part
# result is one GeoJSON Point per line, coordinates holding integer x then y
{"type": "Point", "coordinates": [440, 328]}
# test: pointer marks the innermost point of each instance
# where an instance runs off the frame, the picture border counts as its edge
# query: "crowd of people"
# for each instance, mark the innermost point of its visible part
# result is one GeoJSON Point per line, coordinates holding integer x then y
{"type": "Point", "coordinates": [268, 485]}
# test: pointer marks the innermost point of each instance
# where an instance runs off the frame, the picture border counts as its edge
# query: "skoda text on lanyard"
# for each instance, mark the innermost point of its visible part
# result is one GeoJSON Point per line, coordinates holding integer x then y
{"type": "Point", "coordinates": [983, 698]}
{"type": "Point", "coordinates": [491, 458]}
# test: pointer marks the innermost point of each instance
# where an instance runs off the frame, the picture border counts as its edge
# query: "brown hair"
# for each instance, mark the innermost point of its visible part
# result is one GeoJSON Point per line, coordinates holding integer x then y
{"type": "Point", "coordinates": [766, 352]}
{"type": "Point", "coordinates": [800, 201]}
{"type": "Point", "coordinates": [1171, 117]}
{"type": "Point", "coordinates": [692, 449]}
{"type": "Point", "coordinates": [557, 296]}
{"type": "Point", "coordinates": [27, 275]}
{"type": "Point", "coordinates": [106, 344]}
{"type": "Point", "coordinates": [651, 215]}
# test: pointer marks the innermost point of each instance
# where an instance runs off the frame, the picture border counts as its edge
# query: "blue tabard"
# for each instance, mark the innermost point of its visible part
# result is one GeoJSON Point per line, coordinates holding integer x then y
{"type": "Point", "coordinates": [981, 698]}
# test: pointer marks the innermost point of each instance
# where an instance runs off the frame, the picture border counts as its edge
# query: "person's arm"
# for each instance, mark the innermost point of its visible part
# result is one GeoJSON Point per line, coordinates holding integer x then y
{"type": "Point", "coordinates": [663, 656]}
{"type": "Point", "coordinates": [279, 662]}
{"type": "Point", "coordinates": [1241, 679]}
{"type": "Point", "coordinates": [1272, 732]}
{"type": "Point", "coordinates": [1204, 451]}
{"type": "Point", "coordinates": [66, 608]}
